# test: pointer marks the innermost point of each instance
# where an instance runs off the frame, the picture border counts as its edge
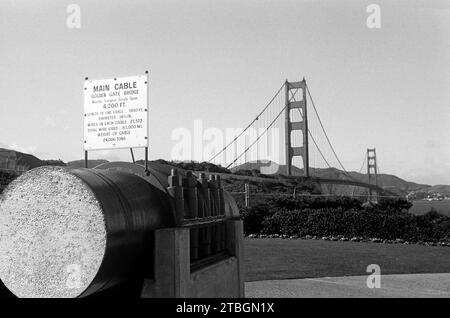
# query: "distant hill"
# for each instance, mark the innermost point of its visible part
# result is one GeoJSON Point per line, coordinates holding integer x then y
{"type": "Point", "coordinates": [386, 181]}
{"type": "Point", "coordinates": [12, 163]}
{"type": "Point", "coordinates": [443, 189]}
{"type": "Point", "coordinates": [15, 160]}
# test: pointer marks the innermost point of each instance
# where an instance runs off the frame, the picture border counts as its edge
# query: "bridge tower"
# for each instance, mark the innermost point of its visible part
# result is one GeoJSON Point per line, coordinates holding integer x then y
{"type": "Point", "coordinates": [372, 170]}
{"type": "Point", "coordinates": [292, 102]}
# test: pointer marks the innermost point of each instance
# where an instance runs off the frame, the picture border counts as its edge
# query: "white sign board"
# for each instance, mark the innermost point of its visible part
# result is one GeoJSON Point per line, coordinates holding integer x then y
{"type": "Point", "coordinates": [116, 113]}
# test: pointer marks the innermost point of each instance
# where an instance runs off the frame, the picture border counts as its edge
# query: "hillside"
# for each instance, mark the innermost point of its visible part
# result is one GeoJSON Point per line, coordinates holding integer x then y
{"type": "Point", "coordinates": [14, 160]}
{"type": "Point", "coordinates": [443, 189]}
{"type": "Point", "coordinates": [386, 181]}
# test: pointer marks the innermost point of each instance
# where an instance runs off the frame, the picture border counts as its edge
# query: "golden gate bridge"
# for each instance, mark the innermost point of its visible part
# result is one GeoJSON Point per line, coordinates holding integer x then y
{"type": "Point", "coordinates": [287, 111]}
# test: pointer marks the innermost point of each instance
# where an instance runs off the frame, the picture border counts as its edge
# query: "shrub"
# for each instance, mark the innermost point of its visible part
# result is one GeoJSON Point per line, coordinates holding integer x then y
{"type": "Point", "coordinates": [253, 218]}
{"type": "Point", "coordinates": [394, 203]}
{"type": "Point", "coordinates": [344, 216]}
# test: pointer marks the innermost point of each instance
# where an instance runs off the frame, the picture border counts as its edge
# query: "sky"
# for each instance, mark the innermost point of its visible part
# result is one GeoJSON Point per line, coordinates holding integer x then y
{"type": "Point", "coordinates": [220, 61]}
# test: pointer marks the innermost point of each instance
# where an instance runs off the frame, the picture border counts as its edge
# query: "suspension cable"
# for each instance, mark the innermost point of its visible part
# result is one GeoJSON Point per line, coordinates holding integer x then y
{"type": "Point", "coordinates": [326, 135]}
{"type": "Point", "coordinates": [246, 128]}
{"type": "Point", "coordinates": [318, 149]}
{"type": "Point", "coordinates": [256, 140]}
{"type": "Point", "coordinates": [314, 141]}
{"type": "Point", "coordinates": [362, 166]}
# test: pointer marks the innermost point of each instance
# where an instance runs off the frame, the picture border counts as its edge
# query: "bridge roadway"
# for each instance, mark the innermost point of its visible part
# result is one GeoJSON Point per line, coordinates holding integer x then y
{"type": "Point", "coordinates": [373, 187]}
{"type": "Point", "coordinates": [377, 189]}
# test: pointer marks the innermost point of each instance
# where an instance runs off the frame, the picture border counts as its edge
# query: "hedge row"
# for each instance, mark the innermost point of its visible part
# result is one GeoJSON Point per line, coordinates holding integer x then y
{"type": "Point", "coordinates": [388, 220]}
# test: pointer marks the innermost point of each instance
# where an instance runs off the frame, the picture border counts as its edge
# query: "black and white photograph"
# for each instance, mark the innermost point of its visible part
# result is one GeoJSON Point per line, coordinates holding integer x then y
{"type": "Point", "coordinates": [224, 155]}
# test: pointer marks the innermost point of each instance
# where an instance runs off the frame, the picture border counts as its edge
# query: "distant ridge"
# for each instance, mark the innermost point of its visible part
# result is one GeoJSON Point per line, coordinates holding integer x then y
{"type": "Point", "coordinates": [386, 181]}
{"type": "Point", "coordinates": [11, 158]}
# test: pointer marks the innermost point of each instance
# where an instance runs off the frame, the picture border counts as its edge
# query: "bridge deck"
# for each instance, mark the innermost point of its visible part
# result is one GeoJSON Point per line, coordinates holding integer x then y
{"type": "Point", "coordinates": [373, 187]}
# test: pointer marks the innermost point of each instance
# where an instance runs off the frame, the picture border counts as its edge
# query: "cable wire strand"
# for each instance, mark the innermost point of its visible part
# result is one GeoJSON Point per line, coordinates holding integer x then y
{"type": "Point", "coordinates": [249, 125]}
{"type": "Point", "coordinates": [256, 140]}
{"type": "Point", "coordinates": [315, 143]}
{"type": "Point", "coordinates": [326, 135]}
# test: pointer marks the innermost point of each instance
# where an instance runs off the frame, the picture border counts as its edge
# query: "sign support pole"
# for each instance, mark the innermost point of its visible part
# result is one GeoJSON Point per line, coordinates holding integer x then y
{"type": "Point", "coordinates": [132, 155]}
{"type": "Point", "coordinates": [146, 160]}
{"type": "Point", "coordinates": [148, 103]}
{"type": "Point", "coordinates": [85, 152]}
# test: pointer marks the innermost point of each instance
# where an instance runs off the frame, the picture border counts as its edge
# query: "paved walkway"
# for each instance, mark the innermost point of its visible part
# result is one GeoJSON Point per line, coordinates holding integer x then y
{"type": "Point", "coordinates": [409, 285]}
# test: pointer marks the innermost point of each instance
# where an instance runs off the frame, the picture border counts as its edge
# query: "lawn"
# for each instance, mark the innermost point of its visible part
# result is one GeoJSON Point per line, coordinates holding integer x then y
{"type": "Point", "coordinates": [285, 258]}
